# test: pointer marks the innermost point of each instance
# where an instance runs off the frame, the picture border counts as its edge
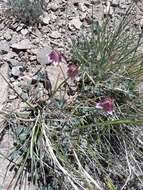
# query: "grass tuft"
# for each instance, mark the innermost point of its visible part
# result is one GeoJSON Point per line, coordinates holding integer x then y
{"type": "Point", "coordinates": [27, 11]}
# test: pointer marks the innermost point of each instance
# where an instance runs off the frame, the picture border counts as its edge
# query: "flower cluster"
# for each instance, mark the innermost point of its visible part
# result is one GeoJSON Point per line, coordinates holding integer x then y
{"type": "Point", "coordinates": [55, 57]}
{"type": "Point", "coordinates": [106, 104]}
{"type": "Point", "coordinates": [72, 71]}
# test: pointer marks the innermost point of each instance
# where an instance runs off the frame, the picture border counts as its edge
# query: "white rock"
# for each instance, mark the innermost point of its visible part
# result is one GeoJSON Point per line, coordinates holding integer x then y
{"type": "Point", "coordinates": [33, 58]}
{"type": "Point", "coordinates": [115, 3]}
{"type": "Point", "coordinates": [4, 47]}
{"type": "Point", "coordinates": [107, 8]}
{"type": "Point", "coordinates": [16, 71]}
{"type": "Point", "coordinates": [76, 23]}
{"type": "Point", "coordinates": [53, 17]}
{"type": "Point", "coordinates": [7, 36]}
{"type": "Point", "coordinates": [22, 45]}
{"type": "Point", "coordinates": [13, 62]}
{"type": "Point", "coordinates": [141, 23]}
{"type": "Point", "coordinates": [24, 32]}
{"type": "Point", "coordinates": [45, 18]}
{"type": "Point", "coordinates": [19, 27]}
{"type": "Point", "coordinates": [43, 55]}
{"type": "Point", "coordinates": [53, 6]}
{"type": "Point", "coordinates": [9, 55]}
{"type": "Point", "coordinates": [55, 35]}
{"type": "Point", "coordinates": [82, 7]}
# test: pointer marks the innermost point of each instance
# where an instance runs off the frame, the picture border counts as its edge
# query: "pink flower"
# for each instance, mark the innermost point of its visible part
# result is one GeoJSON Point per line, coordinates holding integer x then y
{"type": "Point", "coordinates": [55, 57]}
{"type": "Point", "coordinates": [106, 104]}
{"type": "Point", "coordinates": [72, 71]}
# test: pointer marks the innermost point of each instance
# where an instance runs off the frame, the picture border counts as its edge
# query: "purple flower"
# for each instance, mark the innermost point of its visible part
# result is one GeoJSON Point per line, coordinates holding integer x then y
{"type": "Point", "coordinates": [106, 104]}
{"type": "Point", "coordinates": [72, 71]}
{"type": "Point", "coordinates": [55, 57]}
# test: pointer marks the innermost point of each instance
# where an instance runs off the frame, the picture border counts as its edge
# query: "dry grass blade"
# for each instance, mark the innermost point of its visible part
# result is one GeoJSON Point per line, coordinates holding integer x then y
{"type": "Point", "coordinates": [89, 179]}
{"type": "Point", "coordinates": [57, 163]}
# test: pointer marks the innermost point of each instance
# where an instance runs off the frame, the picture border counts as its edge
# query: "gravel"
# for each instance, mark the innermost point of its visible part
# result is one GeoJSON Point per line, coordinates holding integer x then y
{"type": "Point", "coordinates": [61, 22]}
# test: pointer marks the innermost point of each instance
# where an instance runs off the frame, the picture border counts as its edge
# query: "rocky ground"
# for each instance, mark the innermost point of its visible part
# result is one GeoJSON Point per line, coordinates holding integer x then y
{"type": "Point", "coordinates": [24, 48]}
